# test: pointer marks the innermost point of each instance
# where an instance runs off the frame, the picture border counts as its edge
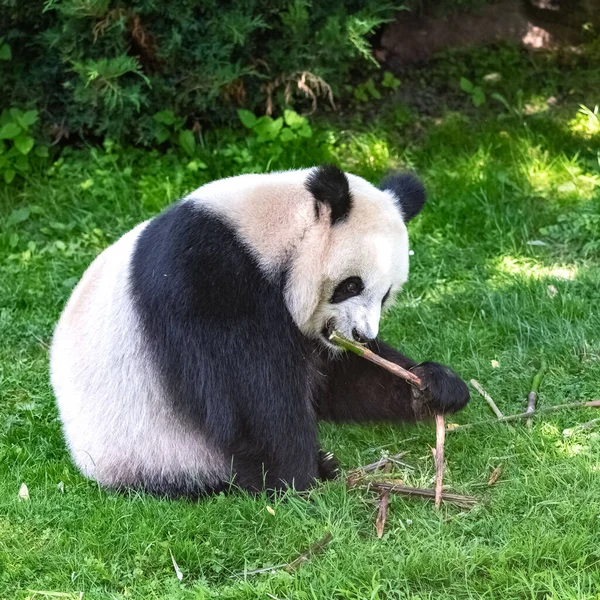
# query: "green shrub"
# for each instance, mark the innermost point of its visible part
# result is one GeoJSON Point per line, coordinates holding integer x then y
{"type": "Point", "coordinates": [101, 68]}
{"type": "Point", "coordinates": [18, 149]}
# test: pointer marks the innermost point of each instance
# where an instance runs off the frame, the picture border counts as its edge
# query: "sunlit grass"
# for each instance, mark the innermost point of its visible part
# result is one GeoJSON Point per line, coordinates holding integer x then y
{"type": "Point", "coordinates": [480, 298]}
{"type": "Point", "coordinates": [586, 122]}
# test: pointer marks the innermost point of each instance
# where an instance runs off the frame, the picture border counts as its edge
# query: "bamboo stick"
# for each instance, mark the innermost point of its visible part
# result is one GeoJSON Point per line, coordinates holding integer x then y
{"type": "Point", "coordinates": [369, 355]}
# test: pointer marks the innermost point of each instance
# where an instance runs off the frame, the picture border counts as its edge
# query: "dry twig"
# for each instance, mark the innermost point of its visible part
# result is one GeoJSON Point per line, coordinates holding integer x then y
{"type": "Point", "coordinates": [535, 388]}
{"type": "Point", "coordinates": [440, 436]}
{"type": "Point", "coordinates": [581, 427]}
{"type": "Point", "coordinates": [397, 370]}
{"type": "Point", "coordinates": [393, 488]}
{"type": "Point", "coordinates": [382, 513]}
{"type": "Point", "coordinates": [315, 548]}
{"type": "Point", "coordinates": [525, 415]}
{"type": "Point", "coordinates": [495, 475]}
{"type": "Point", "coordinates": [380, 464]}
{"type": "Point", "coordinates": [487, 397]}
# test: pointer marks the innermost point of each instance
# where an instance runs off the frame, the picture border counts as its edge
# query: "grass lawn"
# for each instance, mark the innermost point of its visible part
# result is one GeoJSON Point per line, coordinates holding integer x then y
{"type": "Point", "coordinates": [480, 291]}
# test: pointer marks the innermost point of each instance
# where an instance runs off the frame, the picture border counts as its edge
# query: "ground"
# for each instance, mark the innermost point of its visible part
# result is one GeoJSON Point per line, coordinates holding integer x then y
{"type": "Point", "coordinates": [505, 272]}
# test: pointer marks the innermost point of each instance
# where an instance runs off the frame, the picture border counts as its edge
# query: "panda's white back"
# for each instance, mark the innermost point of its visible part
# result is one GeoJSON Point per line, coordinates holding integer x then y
{"type": "Point", "coordinates": [116, 421]}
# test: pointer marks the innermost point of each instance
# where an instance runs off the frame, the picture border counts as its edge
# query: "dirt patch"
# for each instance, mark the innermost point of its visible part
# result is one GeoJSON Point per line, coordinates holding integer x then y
{"type": "Point", "coordinates": [539, 24]}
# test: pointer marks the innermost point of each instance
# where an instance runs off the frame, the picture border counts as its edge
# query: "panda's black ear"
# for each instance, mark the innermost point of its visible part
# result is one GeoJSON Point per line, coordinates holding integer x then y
{"type": "Point", "coordinates": [329, 186]}
{"type": "Point", "coordinates": [409, 193]}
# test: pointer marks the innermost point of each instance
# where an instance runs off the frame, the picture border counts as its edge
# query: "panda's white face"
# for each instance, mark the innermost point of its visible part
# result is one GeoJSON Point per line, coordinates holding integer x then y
{"type": "Point", "coordinates": [355, 270]}
{"type": "Point", "coordinates": [365, 273]}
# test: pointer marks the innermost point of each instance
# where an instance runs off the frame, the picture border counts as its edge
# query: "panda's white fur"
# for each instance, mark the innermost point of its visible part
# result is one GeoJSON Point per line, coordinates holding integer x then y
{"type": "Point", "coordinates": [121, 420]}
{"type": "Point", "coordinates": [111, 401]}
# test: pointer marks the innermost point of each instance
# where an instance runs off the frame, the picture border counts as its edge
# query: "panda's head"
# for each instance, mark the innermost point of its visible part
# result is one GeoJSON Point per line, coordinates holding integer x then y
{"type": "Point", "coordinates": [348, 267]}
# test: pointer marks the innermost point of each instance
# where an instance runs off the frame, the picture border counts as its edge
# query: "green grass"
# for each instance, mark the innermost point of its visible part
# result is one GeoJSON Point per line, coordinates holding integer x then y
{"type": "Point", "coordinates": [478, 293]}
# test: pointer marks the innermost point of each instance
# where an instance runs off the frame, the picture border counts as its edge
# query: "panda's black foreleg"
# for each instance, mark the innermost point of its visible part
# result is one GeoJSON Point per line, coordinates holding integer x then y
{"type": "Point", "coordinates": [357, 390]}
{"type": "Point", "coordinates": [328, 466]}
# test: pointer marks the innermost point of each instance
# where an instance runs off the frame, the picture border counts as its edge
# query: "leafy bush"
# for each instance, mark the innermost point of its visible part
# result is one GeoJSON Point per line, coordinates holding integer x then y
{"type": "Point", "coordinates": [100, 68]}
{"type": "Point", "coordinates": [17, 143]}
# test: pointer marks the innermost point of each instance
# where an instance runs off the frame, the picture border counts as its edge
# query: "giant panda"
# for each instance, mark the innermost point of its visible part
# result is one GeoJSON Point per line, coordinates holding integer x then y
{"type": "Point", "coordinates": [193, 356]}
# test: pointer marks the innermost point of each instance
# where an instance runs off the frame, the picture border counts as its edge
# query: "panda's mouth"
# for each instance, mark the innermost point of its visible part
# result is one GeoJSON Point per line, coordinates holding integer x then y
{"type": "Point", "coordinates": [327, 330]}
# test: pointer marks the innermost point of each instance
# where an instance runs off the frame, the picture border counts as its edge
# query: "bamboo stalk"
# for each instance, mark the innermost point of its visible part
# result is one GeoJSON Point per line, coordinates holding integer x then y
{"type": "Point", "coordinates": [392, 488]}
{"type": "Point", "coordinates": [487, 397]}
{"type": "Point", "coordinates": [581, 427]}
{"type": "Point", "coordinates": [382, 513]}
{"type": "Point", "coordinates": [535, 388]}
{"type": "Point", "coordinates": [369, 355]}
{"type": "Point", "coordinates": [440, 436]}
{"type": "Point", "coordinates": [317, 547]}
{"type": "Point", "coordinates": [382, 462]}
{"type": "Point", "coordinates": [525, 415]}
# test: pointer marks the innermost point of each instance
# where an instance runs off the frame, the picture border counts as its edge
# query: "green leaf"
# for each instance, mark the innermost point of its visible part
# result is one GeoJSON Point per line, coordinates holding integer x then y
{"type": "Point", "coordinates": [478, 96]}
{"type": "Point", "coordinates": [22, 163]}
{"type": "Point", "coordinates": [161, 134]}
{"type": "Point", "coordinates": [466, 85]}
{"type": "Point", "coordinates": [187, 141]}
{"type": "Point", "coordinates": [501, 99]}
{"type": "Point", "coordinates": [19, 215]}
{"type": "Point", "coordinates": [372, 89]}
{"type": "Point", "coordinates": [9, 175]}
{"type": "Point", "coordinates": [29, 118]}
{"type": "Point", "coordinates": [389, 81]}
{"type": "Point", "coordinates": [166, 117]}
{"type": "Point", "coordinates": [360, 94]}
{"type": "Point", "coordinates": [293, 119]}
{"type": "Point", "coordinates": [60, 245]}
{"type": "Point", "coordinates": [42, 151]}
{"type": "Point", "coordinates": [5, 52]}
{"type": "Point", "coordinates": [196, 165]}
{"type": "Point", "coordinates": [9, 131]}
{"type": "Point", "coordinates": [267, 129]}
{"type": "Point", "coordinates": [305, 131]}
{"type": "Point", "coordinates": [13, 240]}
{"type": "Point", "coordinates": [247, 118]}
{"type": "Point", "coordinates": [287, 135]}
{"type": "Point", "coordinates": [24, 144]}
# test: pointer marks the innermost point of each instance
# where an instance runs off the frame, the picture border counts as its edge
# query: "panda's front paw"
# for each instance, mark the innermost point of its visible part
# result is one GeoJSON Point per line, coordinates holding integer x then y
{"type": "Point", "coordinates": [444, 391]}
{"type": "Point", "coordinates": [328, 466]}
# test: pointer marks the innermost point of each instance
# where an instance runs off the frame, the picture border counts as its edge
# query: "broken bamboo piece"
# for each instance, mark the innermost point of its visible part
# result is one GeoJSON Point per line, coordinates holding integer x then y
{"type": "Point", "coordinates": [487, 398]}
{"type": "Point", "coordinates": [440, 436]}
{"type": "Point", "coordinates": [382, 462]}
{"type": "Point", "coordinates": [535, 388]}
{"type": "Point", "coordinates": [525, 415]}
{"type": "Point", "coordinates": [392, 488]}
{"type": "Point", "coordinates": [315, 548]}
{"type": "Point", "coordinates": [382, 513]}
{"type": "Point", "coordinates": [369, 355]}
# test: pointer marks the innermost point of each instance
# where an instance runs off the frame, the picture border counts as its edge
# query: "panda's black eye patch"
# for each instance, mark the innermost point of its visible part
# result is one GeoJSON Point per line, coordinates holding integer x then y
{"type": "Point", "coordinates": [387, 295]}
{"type": "Point", "coordinates": [348, 288]}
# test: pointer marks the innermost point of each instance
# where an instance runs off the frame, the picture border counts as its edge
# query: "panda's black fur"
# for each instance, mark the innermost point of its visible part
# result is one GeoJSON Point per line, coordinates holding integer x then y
{"type": "Point", "coordinates": [232, 359]}
{"type": "Point", "coordinates": [237, 368]}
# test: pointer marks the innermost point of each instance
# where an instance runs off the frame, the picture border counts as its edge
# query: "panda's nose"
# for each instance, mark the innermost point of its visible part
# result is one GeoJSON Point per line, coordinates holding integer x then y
{"type": "Point", "coordinates": [359, 337]}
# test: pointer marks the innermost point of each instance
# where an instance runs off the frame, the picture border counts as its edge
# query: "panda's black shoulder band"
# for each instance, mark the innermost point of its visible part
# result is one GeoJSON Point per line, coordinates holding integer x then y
{"type": "Point", "coordinates": [329, 186]}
